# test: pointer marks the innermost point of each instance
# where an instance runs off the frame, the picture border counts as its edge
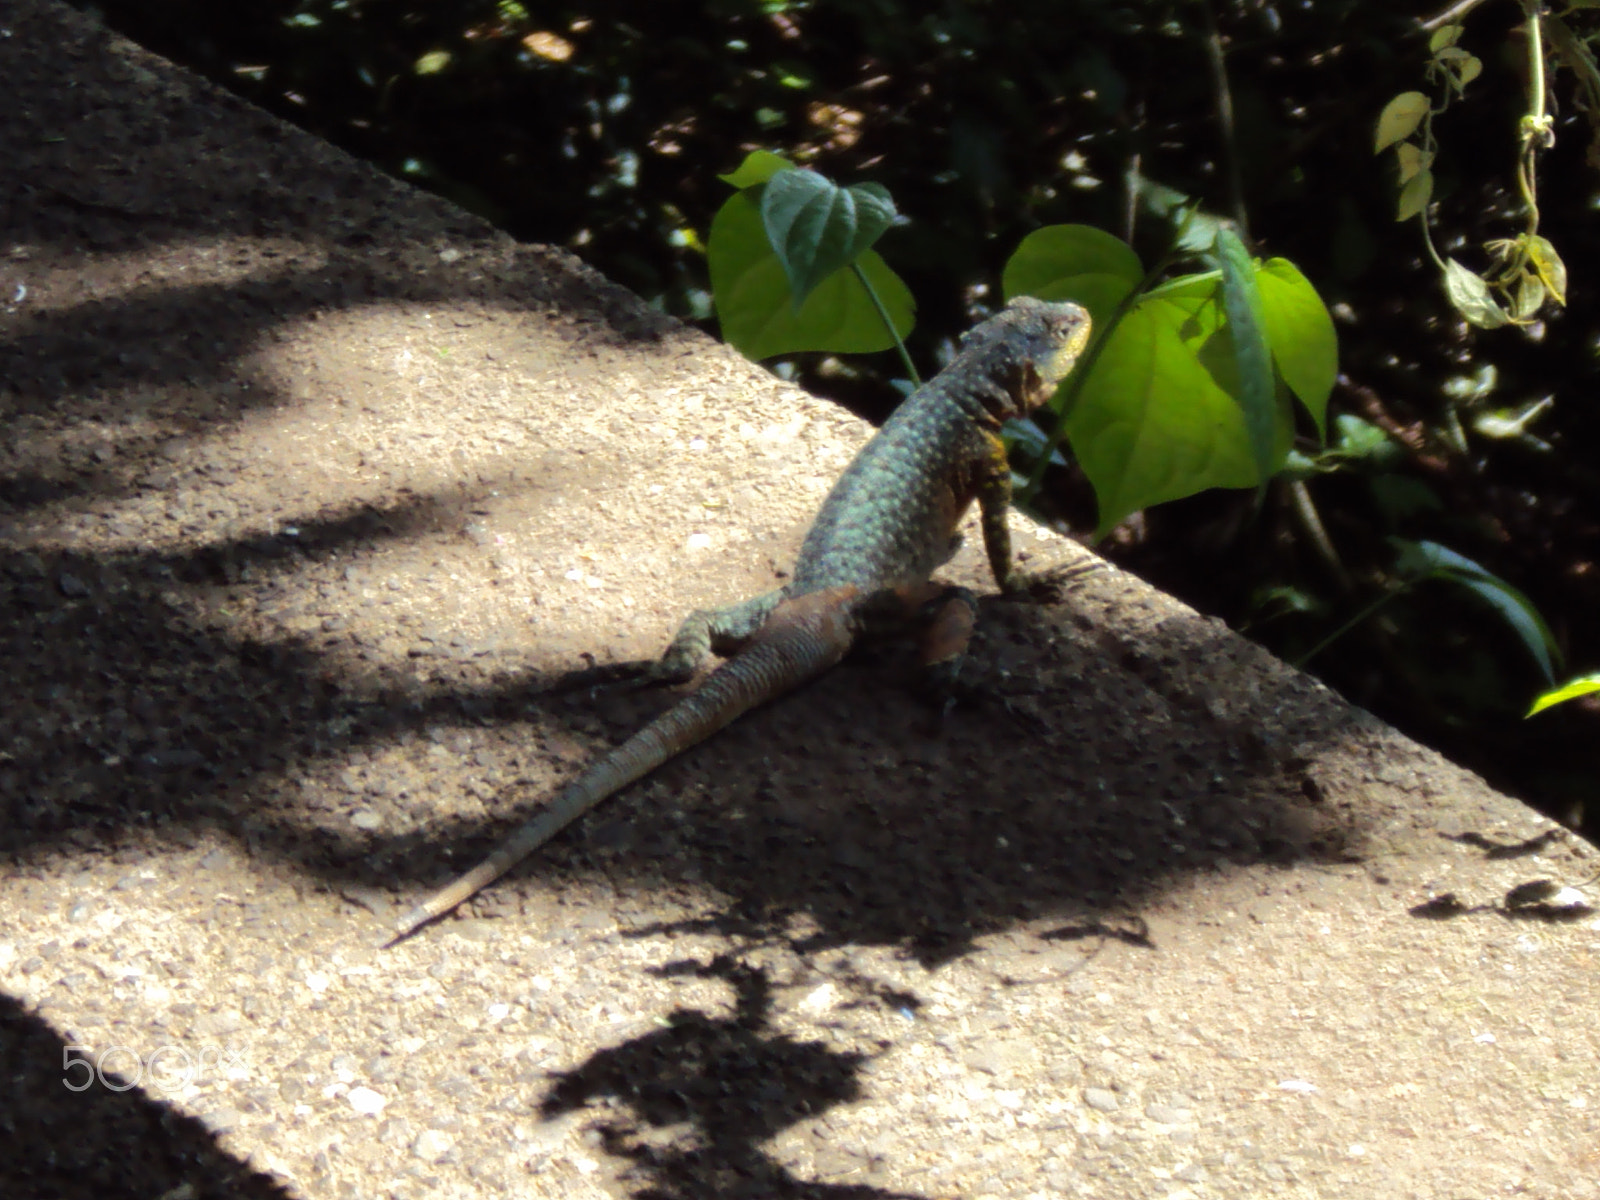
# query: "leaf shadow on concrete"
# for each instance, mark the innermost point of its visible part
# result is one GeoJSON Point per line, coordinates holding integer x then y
{"type": "Point", "coordinates": [735, 1084]}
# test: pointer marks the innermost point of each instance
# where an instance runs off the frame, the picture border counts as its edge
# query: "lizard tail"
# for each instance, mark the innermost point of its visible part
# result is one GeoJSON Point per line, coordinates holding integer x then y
{"type": "Point", "coordinates": [801, 640]}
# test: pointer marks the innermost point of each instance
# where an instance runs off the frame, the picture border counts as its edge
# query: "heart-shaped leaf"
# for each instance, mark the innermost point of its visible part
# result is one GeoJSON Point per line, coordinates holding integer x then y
{"type": "Point", "coordinates": [753, 298]}
{"type": "Point", "coordinates": [1300, 332]}
{"type": "Point", "coordinates": [816, 227]}
{"type": "Point", "coordinates": [1470, 294]}
{"type": "Point", "coordinates": [1399, 119]}
{"type": "Point", "coordinates": [1151, 424]}
{"type": "Point", "coordinates": [1074, 262]}
{"type": "Point", "coordinates": [758, 167]}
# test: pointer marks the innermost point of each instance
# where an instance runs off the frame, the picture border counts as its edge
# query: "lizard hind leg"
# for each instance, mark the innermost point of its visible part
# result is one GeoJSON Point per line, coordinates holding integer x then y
{"type": "Point", "coordinates": [947, 620]}
{"type": "Point", "coordinates": [707, 631]}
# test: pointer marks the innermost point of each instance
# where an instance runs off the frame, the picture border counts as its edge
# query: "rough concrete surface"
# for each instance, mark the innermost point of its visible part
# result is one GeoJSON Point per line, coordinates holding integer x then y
{"type": "Point", "coordinates": [311, 487]}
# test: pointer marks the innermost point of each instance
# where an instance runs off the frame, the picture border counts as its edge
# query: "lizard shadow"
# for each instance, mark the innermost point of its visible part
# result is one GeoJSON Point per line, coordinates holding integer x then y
{"type": "Point", "coordinates": [1098, 799]}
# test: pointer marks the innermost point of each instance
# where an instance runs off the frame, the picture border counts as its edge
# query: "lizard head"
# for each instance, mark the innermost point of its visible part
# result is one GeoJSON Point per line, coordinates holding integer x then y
{"type": "Point", "coordinates": [1048, 337]}
{"type": "Point", "coordinates": [1012, 363]}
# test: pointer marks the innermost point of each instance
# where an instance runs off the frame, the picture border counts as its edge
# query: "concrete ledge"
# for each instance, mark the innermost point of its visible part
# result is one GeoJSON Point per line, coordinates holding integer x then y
{"type": "Point", "coordinates": [310, 483]}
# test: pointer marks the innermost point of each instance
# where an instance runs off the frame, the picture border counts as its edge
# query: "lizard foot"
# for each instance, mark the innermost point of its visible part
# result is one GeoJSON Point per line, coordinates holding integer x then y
{"type": "Point", "coordinates": [1051, 585]}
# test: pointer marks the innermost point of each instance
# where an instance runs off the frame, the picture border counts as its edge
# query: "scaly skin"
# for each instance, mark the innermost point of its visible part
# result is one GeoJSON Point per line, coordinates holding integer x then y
{"type": "Point", "coordinates": [886, 526]}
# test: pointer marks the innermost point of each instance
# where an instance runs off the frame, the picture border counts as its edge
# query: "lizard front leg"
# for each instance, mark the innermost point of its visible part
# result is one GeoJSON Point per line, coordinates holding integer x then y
{"type": "Point", "coordinates": [994, 504]}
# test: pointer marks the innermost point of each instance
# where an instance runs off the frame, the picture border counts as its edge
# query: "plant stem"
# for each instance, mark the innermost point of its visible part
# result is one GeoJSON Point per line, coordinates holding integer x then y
{"type": "Point", "coordinates": [1536, 84]}
{"type": "Point", "coordinates": [1449, 16]}
{"type": "Point", "coordinates": [1535, 126]}
{"type": "Point", "coordinates": [883, 315]}
{"type": "Point", "coordinates": [1316, 532]}
{"type": "Point", "coordinates": [1223, 96]}
{"type": "Point", "coordinates": [1338, 633]}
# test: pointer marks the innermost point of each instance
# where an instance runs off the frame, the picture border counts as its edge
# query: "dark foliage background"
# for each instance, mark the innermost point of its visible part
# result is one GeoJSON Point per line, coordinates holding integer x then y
{"type": "Point", "coordinates": [601, 126]}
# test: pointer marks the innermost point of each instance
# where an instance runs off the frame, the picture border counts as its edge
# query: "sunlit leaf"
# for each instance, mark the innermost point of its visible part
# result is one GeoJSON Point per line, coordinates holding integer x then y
{"type": "Point", "coordinates": [816, 227]}
{"type": "Point", "coordinates": [551, 47]}
{"type": "Point", "coordinates": [1583, 685]}
{"type": "Point", "coordinates": [1529, 298]}
{"type": "Point", "coordinates": [1301, 334]}
{"type": "Point", "coordinates": [753, 300]}
{"type": "Point", "coordinates": [1074, 262]}
{"type": "Point", "coordinates": [432, 62]}
{"type": "Point", "coordinates": [1468, 70]}
{"type": "Point", "coordinates": [1470, 295]}
{"type": "Point", "coordinates": [1445, 35]}
{"type": "Point", "coordinates": [1151, 424]}
{"type": "Point", "coordinates": [1194, 230]}
{"type": "Point", "coordinates": [1552, 271]}
{"type": "Point", "coordinates": [1424, 560]}
{"type": "Point", "coordinates": [758, 167]}
{"type": "Point", "coordinates": [1399, 119]}
{"type": "Point", "coordinates": [1361, 439]}
{"type": "Point", "coordinates": [1510, 423]}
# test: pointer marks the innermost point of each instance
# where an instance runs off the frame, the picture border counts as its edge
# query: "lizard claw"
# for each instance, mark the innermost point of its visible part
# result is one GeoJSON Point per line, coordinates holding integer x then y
{"type": "Point", "coordinates": [1051, 585]}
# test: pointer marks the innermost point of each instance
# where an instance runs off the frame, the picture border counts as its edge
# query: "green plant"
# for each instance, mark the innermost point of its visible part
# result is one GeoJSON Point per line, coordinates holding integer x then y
{"type": "Point", "coordinates": [1421, 562]}
{"type": "Point", "coordinates": [1187, 381]}
{"type": "Point", "coordinates": [1583, 685]}
{"type": "Point", "coordinates": [1525, 271]}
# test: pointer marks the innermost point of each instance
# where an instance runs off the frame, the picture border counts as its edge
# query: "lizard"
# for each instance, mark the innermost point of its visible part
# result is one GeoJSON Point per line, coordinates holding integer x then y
{"type": "Point", "coordinates": [887, 524]}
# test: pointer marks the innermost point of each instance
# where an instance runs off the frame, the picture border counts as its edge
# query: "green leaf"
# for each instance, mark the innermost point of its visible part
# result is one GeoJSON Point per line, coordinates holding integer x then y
{"type": "Point", "coordinates": [1361, 439]}
{"type": "Point", "coordinates": [1552, 271]}
{"type": "Point", "coordinates": [1074, 262]}
{"type": "Point", "coordinates": [1412, 158]}
{"type": "Point", "coordinates": [1194, 231]}
{"type": "Point", "coordinates": [758, 167]}
{"type": "Point", "coordinates": [1300, 332]}
{"type": "Point", "coordinates": [1415, 195]}
{"type": "Point", "coordinates": [753, 302]}
{"type": "Point", "coordinates": [1529, 298]}
{"type": "Point", "coordinates": [1399, 119]}
{"type": "Point", "coordinates": [1401, 498]}
{"type": "Point", "coordinates": [1583, 685]}
{"type": "Point", "coordinates": [1247, 330]}
{"type": "Point", "coordinates": [1445, 35]}
{"type": "Point", "coordinates": [816, 227]}
{"type": "Point", "coordinates": [1429, 560]}
{"type": "Point", "coordinates": [1470, 295]}
{"type": "Point", "coordinates": [432, 62]}
{"type": "Point", "coordinates": [1151, 424]}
